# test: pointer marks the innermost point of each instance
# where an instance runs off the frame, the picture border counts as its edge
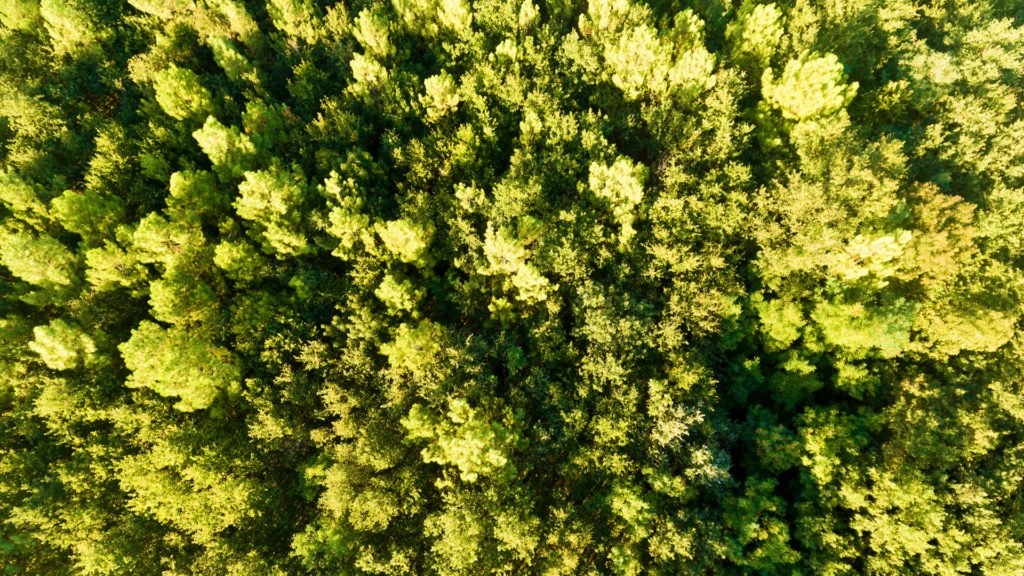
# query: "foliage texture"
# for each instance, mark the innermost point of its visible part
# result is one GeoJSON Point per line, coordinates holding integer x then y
{"type": "Point", "coordinates": [453, 287]}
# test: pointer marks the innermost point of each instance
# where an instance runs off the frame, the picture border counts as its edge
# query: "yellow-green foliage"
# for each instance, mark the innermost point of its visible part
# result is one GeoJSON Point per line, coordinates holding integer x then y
{"type": "Point", "coordinates": [233, 62]}
{"type": "Point", "coordinates": [69, 24]}
{"type": "Point", "coordinates": [621, 186]}
{"type": "Point", "coordinates": [62, 346]}
{"type": "Point", "coordinates": [180, 94]}
{"type": "Point", "coordinates": [229, 150]}
{"type": "Point", "coordinates": [20, 14]}
{"type": "Point", "coordinates": [398, 294]}
{"type": "Point", "coordinates": [414, 348]}
{"type": "Point", "coordinates": [171, 363]}
{"type": "Point", "coordinates": [810, 86]}
{"type": "Point", "coordinates": [406, 240]}
{"type": "Point", "coordinates": [756, 32]}
{"type": "Point", "coordinates": [22, 200]}
{"type": "Point", "coordinates": [495, 287]}
{"type": "Point", "coordinates": [272, 199]}
{"type": "Point", "coordinates": [40, 261]}
{"type": "Point", "coordinates": [460, 438]}
{"type": "Point", "coordinates": [440, 96]}
{"type": "Point", "coordinates": [506, 257]}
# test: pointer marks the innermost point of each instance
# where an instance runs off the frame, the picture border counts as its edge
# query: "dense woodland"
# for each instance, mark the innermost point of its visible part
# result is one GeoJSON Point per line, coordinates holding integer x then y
{"type": "Point", "coordinates": [468, 287]}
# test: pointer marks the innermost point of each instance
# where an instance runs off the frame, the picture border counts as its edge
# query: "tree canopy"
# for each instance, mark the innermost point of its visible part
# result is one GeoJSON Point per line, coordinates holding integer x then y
{"type": "Point", "coordinates": [465, 287]}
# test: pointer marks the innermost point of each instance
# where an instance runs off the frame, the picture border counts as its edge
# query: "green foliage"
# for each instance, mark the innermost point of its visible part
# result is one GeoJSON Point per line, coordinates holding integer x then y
{"type": "Point", "coordinates": [414, 348]}
{"type": "Point", "coordinates": [856, 328]}
{"type": "Point", "coordinates": [20, 14]}
{"type": "Point", "coordinates": [173, 363]}
{"type": "Point", "coordinates": [440, 96]}
{"type": "Point", "coordinates": [640, 61]}
{"type": "Point", "coordinates": [179, 298]}
{"type": "Point", "coordinates": [192, 193]}
{"type": "Point", "coordinates": [22, 201]}
{"type": "Point", "coordinates": [348, 224]}
{"type": "Point", "coordinates": [506, 257]}
{"type": "Point", "coordinates": [180, 94]}
{"type": "Point", "coordinates": [621, 186]}
{"type": "Point", "coordinates": [435, 17]}
{"type": "Point", "coordinates": [239, 260]}
{"type": "Point", "coordinates": [781, 321]}
{"type": "Point", "coordinates": [40, 261]}
{"type": "Point", "coordinates": [167, 242]}
{"type": "Point", "coordinates": [406, 240]}
{"type": "Point", "coordinates": [398, 294]}
{"type": "Point", "coordinates": [227, 56]}
{"type": "Point", "coordinates": [110, 266]}
{"type": "Point", "coordinates": [160, 8]}
{"type": "Point", "coordinates": [189, 493]}
{"type": "Point", "coordinates": [755, 33]}
{"type": "Point", "coordinates": [461, 438]}
{"type": "Point", "coordinates": [272, 200]}
{"type": "Point", "coordinates": [511, 287]}
{"type": "Point", "coordinates": [70, 24]}
{"type": "Point", "coordinates": [91, 215]}
{"type": "Point", "coordinates": [810, 87]}
{"type": "Point", "coordinates": [62, 346]}
{"type": "Point", "coordinates": [230, 151]}
{"type": "Point", "coordinates": [294, 17]}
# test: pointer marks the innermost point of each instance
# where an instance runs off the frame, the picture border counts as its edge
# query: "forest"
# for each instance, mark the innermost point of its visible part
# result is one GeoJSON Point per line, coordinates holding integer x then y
{"type": "Point", "coordinates": [512, 287]}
